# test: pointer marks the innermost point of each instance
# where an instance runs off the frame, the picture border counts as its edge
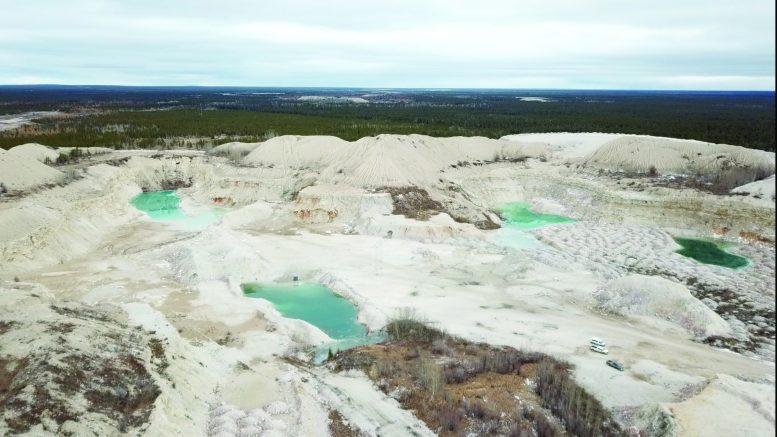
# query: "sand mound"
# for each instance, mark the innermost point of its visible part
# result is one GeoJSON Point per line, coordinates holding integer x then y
{"type": "Point", "coordinates": [763, 189]}
{"type": "Point", "coordinates": [35, 151]}
{"type": "Point", "coordinates": [48, 155]}
{"type": "Point", "coordinates": [296, 151]}
{"type": "Point", "coordinates": [728, 406]}
{"type": "Point", "coordinates": [642, 154]}
{"type": "Point", "coordinates": [21, 172]}
{"type": "Point", "coordinates": [653, 296]}
{"type": "Point", "coordinates": [385, 160]}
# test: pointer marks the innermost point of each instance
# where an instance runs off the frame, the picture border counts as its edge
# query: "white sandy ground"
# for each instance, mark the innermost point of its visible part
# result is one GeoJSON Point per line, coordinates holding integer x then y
{"type": "Point", "coordinates": [287, 216]}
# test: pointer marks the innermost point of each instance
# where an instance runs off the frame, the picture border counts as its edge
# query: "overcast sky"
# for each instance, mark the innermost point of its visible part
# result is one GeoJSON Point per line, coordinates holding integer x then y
{"type": "Point", "coordinates": [609, 44]}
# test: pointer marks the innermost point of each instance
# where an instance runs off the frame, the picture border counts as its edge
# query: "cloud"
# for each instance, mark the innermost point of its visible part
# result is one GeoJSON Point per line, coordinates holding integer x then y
{"type": "Point", "coordinates": [491, 43]}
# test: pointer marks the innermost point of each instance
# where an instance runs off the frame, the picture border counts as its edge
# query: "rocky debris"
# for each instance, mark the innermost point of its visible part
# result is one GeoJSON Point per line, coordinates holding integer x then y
{"type": "Point", "coordinates": [174, 184]}
{"type": "Point", "coordinates": [614, 252]}
{"type": "Point", "coordinates": [658, 297]}
{"type": "Point", "coordinates": [229, 420]}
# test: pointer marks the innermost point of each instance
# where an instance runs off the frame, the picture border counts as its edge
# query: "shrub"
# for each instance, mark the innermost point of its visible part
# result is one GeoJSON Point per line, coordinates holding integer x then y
{"type": "Point", "coordinates": [407, 329]}
{"type": "Point", "coordinates": [440, 347]}
{"type": "Point", "coordinates": [269, 134]}
{"type": "Point", "coordinates": [582, 414]}
{"type": "Point", "coordinates": [450, 418]}
{"type": "Point", "coordinates": [479, 410]}
{"type": "Point", "coordinates": [429, 375]}
{"type": "Point", "coordinates": [408, 326]}
{"type": "Point", "coordinates": [71, 174]}
{"type": "Point", "coordinates": [656, 421]}
{"type": "Point", "coordinates": [456, 374]}
{"type": "Point", "coordinates": [521, 430]}
{"type": "Point", "coordinates": [504, 361]}
{"type": "Point", "coordinates": [546, 427]}
{"type": "Point", "coordinates": [236, 156]}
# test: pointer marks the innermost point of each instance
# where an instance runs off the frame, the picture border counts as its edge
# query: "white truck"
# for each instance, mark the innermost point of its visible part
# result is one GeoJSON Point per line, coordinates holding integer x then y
{"type": "Point", "coordinates": [598, 345]}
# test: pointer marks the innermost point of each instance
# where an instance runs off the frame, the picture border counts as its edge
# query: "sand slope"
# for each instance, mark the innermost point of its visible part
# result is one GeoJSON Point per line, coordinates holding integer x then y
{"type": "Point", "coordinates": [748, 409]}
{"type": "Point", "coordinates": [658, 297]}
{"type": "Point", "coordinates": [564, 145]}
{"type": "Point", "coordinates": [666, 155]}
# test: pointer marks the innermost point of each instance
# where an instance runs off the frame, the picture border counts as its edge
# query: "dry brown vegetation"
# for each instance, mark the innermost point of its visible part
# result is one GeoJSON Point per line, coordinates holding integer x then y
{"type": "Point", "coordinates": [416, 203]}
{"type": "Point", "coordinates": [338, 427]}
{"type": "Point", "coordinates": [113, 380]}
{"type": "Point", "coordinates": [462, 388]}
{"type": "Point", "coordinates": [413, 202]}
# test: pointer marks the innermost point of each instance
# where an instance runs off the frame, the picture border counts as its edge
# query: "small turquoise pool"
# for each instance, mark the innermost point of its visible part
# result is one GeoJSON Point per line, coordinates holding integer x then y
{"type": "Point", "coordinates": [159, 205]}
{"type": "Point", "coordinates": [519, 215]}
{"type": "Point", "coordinates": [321, 307]}
{"type": "Point", "coordinates": [313, 303]}
{"type": "Point", "coordinates": [519, 219]}
{"type": "Point", "coordinates": [710, 252]}
{"type": "Point", "coordinates": [165, 206]}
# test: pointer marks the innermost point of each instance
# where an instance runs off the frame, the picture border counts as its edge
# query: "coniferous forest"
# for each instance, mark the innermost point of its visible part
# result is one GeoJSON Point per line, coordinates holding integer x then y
{"type": "Point", "coordinates": [200, 117]}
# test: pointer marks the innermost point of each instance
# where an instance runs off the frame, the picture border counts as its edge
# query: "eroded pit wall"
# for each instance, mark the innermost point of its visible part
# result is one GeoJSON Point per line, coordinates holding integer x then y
{"type": "Point", "coordinates": [57, 224]}
{"type": "Point", "coordinates": [676, 210]}
{"type": "Point", "coordinates": [54, 225]}
{"type": "Point", "coordinates": [213, 180]}
{"type": "Point", "coordinates": [338, 205]}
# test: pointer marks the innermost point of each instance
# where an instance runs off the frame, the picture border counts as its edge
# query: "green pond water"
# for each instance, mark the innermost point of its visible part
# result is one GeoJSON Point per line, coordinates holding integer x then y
{"type": "Point", "coordinates": [318, 305]}
{"type": "Point", "coordinates": [710, 252]}
{"type": "Point", "coordinates": [518, 215]}
{"type": "Point", "coordinates": [165, 206]}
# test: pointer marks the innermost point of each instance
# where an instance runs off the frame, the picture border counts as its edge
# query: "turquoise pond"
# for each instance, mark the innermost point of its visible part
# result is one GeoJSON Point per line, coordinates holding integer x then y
{"type": "Point", "coordinates": [165, 206]}
{"type": "Point", "coordinates": [518, 219]}
{"type": "Point", "coordinates": [318, 305]}
{"type": "Point", "coordinates": [710, 252]}
{"type": "Point", "coordinates": [519, 215]}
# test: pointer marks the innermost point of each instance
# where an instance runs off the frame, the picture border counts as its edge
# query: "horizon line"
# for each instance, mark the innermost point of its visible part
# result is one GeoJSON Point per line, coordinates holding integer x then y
{"type": "Point", "coordinates": [388, 88]}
